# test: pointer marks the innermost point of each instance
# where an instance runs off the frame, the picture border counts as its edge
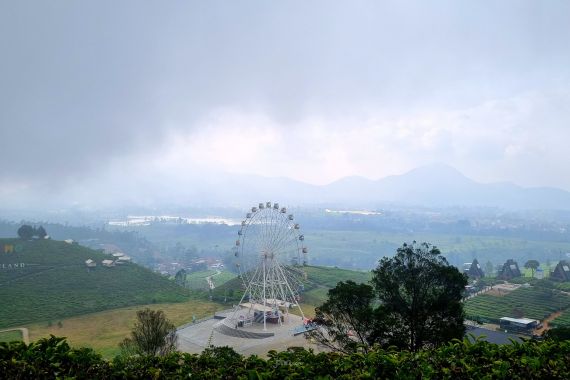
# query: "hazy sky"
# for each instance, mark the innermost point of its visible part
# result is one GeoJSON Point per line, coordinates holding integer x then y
{"type": "Point", "coordinates": [309, 90]}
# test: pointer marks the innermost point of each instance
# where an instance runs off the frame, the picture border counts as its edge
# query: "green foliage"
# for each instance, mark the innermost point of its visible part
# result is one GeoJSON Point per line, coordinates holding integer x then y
{"type": "Point", "coordinates": [153, 334]}
{"type": "Point", "coordinates": [532, 265]}
{"type": "Point", "coordinates": [56, 284]}
{"type": "Point", "coordinates": [417, 295]}
{"type": "Point", "coordinates": [534, 302]}
{"type": "Point", "coordinates": [41, 232]}
{"type": "Point", "coordinates": [561, 321]}
{"type": "Point", "coordinates": [346, 319]}
{"type": "Point", "coordinates": [420, 298]}
{"type": "Point", "coordinates": [558, 333]}
{"type": "Point", "coordinates": [180, 277]}
{"type": "Point", "coordinates": [26, 232]}
{"type": "Point", "coordinates": [52, 357]}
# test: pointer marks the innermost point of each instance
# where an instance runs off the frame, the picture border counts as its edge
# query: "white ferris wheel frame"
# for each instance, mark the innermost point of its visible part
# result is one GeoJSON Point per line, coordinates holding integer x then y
{"type": "Point", "coordinates": [268, 248]}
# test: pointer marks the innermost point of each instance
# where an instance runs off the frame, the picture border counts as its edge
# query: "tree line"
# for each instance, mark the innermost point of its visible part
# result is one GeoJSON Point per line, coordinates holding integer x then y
{"type": "Point", "coordinates": [27, 232]}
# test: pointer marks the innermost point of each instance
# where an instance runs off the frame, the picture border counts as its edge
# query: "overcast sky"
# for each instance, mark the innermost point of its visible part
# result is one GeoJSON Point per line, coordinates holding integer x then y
{"type": "Point", "coordinates": [309, 90]}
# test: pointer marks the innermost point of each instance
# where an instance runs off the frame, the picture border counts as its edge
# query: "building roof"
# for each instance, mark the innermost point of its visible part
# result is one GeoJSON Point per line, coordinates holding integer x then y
{"type": "Point", "coordinates": [519, 320]}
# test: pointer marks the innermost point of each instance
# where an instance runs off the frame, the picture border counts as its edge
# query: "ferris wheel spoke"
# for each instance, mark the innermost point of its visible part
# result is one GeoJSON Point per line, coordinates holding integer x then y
{"type": "Point", "coordinates": [283, 231]}
{"type": "Point", "coordinates": [289, 239]}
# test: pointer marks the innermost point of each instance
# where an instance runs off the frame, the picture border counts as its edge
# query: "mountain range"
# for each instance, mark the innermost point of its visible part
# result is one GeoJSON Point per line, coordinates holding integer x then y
{"type": "Point", "coordinates": [427, 186]}
{"type": "Point", "coordinates": [431, 186]}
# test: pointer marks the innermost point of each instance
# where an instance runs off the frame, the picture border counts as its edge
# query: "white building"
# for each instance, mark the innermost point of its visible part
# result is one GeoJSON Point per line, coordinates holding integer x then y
{"type": "Point", "coordinates": [90, 263]}
{"type": "Point", "coordinates": [108, 263]}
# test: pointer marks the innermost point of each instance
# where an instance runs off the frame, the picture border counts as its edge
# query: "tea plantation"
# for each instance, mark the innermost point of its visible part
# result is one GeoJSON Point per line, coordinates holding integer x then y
{"type": "Point", "coordinates": [561, 321]}
{"type": "Point", "coordinates": [533, 302]}
{"type": "Point", "coordinates": [55, 283]}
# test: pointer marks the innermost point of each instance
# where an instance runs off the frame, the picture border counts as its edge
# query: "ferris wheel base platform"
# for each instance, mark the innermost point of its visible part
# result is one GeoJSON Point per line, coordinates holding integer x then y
{"type": "Point", "coordinates": [224, 329]}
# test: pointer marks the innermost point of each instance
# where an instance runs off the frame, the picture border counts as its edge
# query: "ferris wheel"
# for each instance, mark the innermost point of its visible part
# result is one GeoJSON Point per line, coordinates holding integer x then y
{"type": "Point", "coordinates": [269, 255]}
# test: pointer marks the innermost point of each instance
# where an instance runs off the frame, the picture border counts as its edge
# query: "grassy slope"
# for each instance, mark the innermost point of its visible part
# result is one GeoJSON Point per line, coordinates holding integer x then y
{"type": "Point", "coordinates": [319, 280]}
{"type": "Point", "coordinates": [56, 284]}
{"type": "Point", "coordinates": [10, 336]}
{"type": "Point", "coordinates": [104, 330]}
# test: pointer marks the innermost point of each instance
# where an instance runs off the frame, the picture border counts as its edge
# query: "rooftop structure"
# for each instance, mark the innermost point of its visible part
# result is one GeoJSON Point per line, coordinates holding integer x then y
{"type": "Point", "coordinates": [510, 270]}
{"type": "Point", "coordinates": [562, 271]}
{"type": "Point", "coordinates": [108, 263]}
{"type": "Point", "coordinates": [90, 263]}
{"type": "Point", "coordinates": [475, 270]}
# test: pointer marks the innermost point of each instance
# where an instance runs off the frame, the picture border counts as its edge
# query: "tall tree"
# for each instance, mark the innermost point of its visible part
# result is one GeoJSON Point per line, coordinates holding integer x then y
{"type": "Point", "coordinates": [419, 304]}
{"type": "Point", "coordinates": [532, 265]}
{"type": "Point", "coordinates": [180, 277]}
{"type": "Point", "coordinates": [41, 232]}
{"type": "Point", "coordinates": [153, 334]}
{"type": "Point", "coordinates": [26, 232]}
{"type": "Point", "coordinates": [420, 298]}
{"type": "Point", "coordinates": [345, 319]}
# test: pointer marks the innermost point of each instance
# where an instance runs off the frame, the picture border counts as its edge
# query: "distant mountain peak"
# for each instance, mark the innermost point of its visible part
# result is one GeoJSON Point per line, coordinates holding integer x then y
{"type": "Point", "coordinates": [437, 172]}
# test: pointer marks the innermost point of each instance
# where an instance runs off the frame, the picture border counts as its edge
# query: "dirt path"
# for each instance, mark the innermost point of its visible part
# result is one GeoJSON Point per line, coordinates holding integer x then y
{"type": "Point", "coordinates": [545, 322]}
{"type": "Point", "coordinates": [23, 330]}
{"type": "Point", "coordinates": [209, 279]}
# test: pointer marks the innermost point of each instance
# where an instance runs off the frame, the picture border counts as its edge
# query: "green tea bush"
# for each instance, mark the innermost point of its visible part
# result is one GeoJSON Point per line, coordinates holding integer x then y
{"type": "Point", "coordinates": [53, 358]}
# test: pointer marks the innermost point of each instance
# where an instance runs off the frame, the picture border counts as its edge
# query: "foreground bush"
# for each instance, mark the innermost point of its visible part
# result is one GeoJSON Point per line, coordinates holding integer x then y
{"type": "Point", "coordinates": [53, 358]}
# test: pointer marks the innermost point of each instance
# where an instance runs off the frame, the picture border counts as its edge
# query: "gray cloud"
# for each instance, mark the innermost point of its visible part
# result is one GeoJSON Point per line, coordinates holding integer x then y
{"type": "Point", "coordinates": [87, 84]}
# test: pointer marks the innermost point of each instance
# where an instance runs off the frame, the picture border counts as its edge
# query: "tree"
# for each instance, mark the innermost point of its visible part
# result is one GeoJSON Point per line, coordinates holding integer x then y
{"type": "Point", "coordinates": [180, 277]}
{"type": "Point", "coordinates": [41, 232]}
{"type": "Point", "coordinates": [557, 333]}
{"type": "Point", "coordinates": [26, 232]}
{"type": "Point", "coordinates": [153, 334]}
{"type": "Point", "coordinates": [345, 319]}
{"type": "Point", "coordinates": [532, 265]}
{"type": "Point", "coordinates": [420, 298]}
{"type": "Point", "coordinates": [419, 304]}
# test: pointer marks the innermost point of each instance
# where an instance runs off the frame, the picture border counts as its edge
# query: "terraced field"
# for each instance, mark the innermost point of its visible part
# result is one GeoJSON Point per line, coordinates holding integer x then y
{"type": "Point", "coordinates": [534, 302]}
{"type": "Point", "coordinates": [562, 321]}
{"type": "Point", "coordinates": [55, 284]}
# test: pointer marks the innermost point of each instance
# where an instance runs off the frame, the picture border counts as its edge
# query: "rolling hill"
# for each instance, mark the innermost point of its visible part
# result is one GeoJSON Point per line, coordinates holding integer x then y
{"type": "Point", "coordinates": [316, 284]}
{"type": "Point", "coordinates": [47, 280]}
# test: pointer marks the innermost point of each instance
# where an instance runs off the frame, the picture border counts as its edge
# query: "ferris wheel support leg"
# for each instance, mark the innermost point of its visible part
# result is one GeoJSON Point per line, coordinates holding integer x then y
{"type": "Point", "coordinates": [264, 299]}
